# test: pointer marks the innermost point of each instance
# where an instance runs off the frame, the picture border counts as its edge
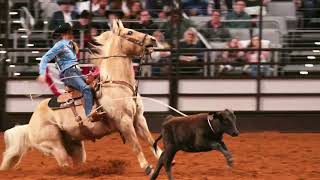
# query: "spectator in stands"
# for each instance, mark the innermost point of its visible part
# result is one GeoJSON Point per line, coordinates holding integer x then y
{"type": "Point", "coordinates": [145, 24]}
{"type": "Point", "coordinates": [238, 13]}
{"type": "Point", "coordinates": [65, 15]}
{"type": "Point", "coordinates": [135, 10]}
{"type": "Point", "coordinates": [157, 6]}
{"type": "Point", "coordinates": [117, 5]}
{"type": "Point", "coordinates": [252, 3]}
{"type": "Point", "coordinates": [190, 40]}
{"type": "Point", "coordinates": [195, 7]}
{"type": "Point", "coordinates": [165, 13]}
{"type": "Point", "coordinates": [126, 4]}
{"type": "Point", "coordinates": [94, 31]}
{"type": "Point", "coordinates": [253, 7]}
{"type": "Point", "coordinates": [157, 56]}
{"type": "Point", "coordinates": [214, 30]}
{"type": "Point", "coordinates": [82, 26]}
{"type": "Point", "coordinates": [85, 5]}
{"type": "Point", "coordinates": [217, 4]}
{"type": "Point", "coordinates": [171, 28]}
{"type": "Point", "coordinates": [309, 11]}
{"type": "Point", "coordinates": [252, 57]}
{"type": "Point", "coordinates": [103, 7]}
{"type": "Point", "coordinates": [231, 56]}
{"type": "Point", "coordinates": [159, 36]}
{"type": "Point", "coordinates": [110, 15]}
{"type": "Point", "coordinates": [161, 56]}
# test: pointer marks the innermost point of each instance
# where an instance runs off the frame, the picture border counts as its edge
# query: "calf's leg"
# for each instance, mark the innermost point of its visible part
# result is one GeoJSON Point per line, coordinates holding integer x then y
{"type": "Point", "coordinates": [159, 166]}
{"type": "Point", "coordinates": [169, 154]}
{"type": "Point", "coordinates": [224, 150]}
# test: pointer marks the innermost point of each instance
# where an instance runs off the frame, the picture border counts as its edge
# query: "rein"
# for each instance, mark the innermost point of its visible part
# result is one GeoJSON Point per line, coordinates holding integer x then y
{"type": "Point", "coordinates": [108, 57]}
{"type": "Point", "coordinates": [124, 83]}
{"type": "Point", "coordinates": [134, 89]}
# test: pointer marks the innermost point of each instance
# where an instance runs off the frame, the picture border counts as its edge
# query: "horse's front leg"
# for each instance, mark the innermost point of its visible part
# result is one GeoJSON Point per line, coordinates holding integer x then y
{"type": "Point", "coordinates": [143, 132]}
{"type": "Point", "coordinates": [141, 127]}
{"type": "Point", "coordinates": [127, 130]}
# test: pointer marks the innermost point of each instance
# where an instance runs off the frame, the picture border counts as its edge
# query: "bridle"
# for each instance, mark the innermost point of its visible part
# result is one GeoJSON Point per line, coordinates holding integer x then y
{"type": "Point", "coordinates": [133, 88]}
{"type": "Point", "coordinates": [135, 41]}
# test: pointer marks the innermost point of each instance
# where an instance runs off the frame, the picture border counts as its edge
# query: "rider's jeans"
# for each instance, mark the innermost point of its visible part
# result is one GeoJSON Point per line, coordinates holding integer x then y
{"type": "Point", "coordinates": [73, 77]}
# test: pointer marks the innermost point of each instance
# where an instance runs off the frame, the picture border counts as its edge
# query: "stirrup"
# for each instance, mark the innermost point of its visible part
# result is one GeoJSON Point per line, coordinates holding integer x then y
{"type": "Point", "coordinates": [95, 116]}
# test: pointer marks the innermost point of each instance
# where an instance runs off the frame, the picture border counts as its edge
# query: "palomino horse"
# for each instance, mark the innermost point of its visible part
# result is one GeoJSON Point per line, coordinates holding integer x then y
{"type": "Point", "coordinates": [56, 132]}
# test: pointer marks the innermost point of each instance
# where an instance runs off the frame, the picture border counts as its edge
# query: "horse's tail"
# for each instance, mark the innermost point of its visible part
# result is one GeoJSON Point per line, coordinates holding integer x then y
{"type": "Point", "coordinates": [155, 144]}
{"type": "Point", "coordinates": [17, 143]}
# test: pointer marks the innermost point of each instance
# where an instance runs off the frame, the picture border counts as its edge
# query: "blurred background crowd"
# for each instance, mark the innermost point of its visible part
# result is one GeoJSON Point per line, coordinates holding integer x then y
{"type": "Point", "coordinates": [210, 24]}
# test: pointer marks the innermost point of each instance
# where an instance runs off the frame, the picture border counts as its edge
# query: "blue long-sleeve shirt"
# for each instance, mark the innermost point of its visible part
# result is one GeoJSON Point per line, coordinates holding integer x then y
{"type": "Point", "coordinates": [62, 50]}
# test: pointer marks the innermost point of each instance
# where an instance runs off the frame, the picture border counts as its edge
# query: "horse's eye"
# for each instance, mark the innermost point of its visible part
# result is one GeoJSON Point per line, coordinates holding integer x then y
{"type": "Point", "coordinates": [130, 33]}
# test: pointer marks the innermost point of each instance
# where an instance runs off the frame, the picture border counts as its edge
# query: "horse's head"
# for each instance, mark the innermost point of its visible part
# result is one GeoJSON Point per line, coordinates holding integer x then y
{"type": "Point", "coordinates": [132, 42]}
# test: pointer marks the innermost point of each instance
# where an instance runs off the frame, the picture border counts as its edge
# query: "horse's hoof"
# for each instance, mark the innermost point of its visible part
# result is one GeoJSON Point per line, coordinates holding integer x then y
{"type": "Point", "coordinates": [148, 170]}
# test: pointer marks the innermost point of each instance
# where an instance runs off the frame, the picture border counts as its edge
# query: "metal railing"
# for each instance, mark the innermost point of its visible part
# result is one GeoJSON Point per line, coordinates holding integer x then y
{"type": "Point", "coordinates": [203, 68]}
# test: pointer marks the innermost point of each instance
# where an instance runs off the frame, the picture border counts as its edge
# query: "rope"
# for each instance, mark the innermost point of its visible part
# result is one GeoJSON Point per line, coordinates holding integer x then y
{"type": "Point", "coordinates": [166, 105]}
{"type": "Point", "coordinates": [151, 99]}
{"type": "Point", "coordinates": [132, 97]}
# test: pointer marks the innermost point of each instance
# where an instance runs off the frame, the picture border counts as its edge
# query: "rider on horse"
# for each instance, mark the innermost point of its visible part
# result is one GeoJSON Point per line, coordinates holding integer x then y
{"type": "Point", "coordinates": [65, 52]}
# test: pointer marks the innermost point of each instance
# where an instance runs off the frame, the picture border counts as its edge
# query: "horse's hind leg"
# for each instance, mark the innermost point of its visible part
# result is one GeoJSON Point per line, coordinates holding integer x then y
{"type": "Point", "coordinates": [144, 133]}
{"type": "Point", "coordinates": [77, 152]}
{"type": "Point", "coordinates": [51, 142]}
{"type": "Point", "coordinates": [74, 148]}
{"type": "Point", "coordinates": [56, 149]}
{"type": "Point", "coordinates": [17, 143]}
{"type": "Point", "coordinates": [128, 131]}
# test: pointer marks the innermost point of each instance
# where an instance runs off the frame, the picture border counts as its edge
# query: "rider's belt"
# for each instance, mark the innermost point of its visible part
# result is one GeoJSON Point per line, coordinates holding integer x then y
{"type": "Point", "coordinates": [73, 67]}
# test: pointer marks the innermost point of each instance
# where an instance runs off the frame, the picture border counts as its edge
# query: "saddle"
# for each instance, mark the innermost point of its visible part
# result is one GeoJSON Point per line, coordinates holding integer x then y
{"type": "Point", "coordinates": [72, 98]}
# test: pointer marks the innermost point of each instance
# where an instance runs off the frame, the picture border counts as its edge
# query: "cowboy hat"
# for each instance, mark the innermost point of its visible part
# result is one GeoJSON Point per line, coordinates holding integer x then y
{"type": "Point", "coordinates": [61, 29]}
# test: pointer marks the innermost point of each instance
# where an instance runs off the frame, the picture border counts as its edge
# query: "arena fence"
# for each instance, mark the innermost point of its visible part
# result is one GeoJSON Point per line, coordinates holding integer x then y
{"type": "Point", "coordinates": [285, 103]}
{"type": "Point", "coordinates": [276, 102]}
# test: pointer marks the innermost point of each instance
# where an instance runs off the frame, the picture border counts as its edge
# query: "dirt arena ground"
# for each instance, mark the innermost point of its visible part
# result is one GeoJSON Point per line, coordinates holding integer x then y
{"type": "Point", "coordinates": [268, 155]}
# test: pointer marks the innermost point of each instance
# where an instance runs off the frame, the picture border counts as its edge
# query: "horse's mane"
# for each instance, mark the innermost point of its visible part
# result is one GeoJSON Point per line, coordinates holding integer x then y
{"type": "Point", "coordinates": [103, 37]}
{"type": "Point", "coordinates": [98, 45]}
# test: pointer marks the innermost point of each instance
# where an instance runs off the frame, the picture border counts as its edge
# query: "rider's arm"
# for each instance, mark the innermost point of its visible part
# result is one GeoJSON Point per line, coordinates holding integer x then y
{"type": "Point", "coordinates": [54, 51]}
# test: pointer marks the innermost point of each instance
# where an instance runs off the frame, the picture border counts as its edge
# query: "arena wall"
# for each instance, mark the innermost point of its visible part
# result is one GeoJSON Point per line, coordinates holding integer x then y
{"type": "Point", "coordinates": [278, 104]}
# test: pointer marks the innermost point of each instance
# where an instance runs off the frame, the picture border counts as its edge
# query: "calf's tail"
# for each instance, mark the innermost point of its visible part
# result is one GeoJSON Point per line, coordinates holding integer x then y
{"type": "Point", "coordinates": [155, 144]}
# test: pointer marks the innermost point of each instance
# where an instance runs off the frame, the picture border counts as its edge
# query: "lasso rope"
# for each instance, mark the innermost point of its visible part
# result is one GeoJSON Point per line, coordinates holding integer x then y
{"type": "Point", "coordinates": [32, 96]}
{"type": "Point", "coordinates": [147, 98]}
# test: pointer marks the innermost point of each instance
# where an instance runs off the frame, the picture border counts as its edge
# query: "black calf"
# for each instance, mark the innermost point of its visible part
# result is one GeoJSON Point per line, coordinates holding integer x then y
{"type": "Point", "coordinates": [195, 133]}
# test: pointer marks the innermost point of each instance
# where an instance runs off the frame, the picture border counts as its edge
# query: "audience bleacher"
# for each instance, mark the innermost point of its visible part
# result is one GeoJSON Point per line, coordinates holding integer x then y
{"type": "Point", "coordinates": [281, 19]}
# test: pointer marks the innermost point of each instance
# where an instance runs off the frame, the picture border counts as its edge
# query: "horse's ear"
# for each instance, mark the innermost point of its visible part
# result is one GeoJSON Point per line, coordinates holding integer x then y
{"type": "Point", "coordinates": [115, 26]}
{"type": "Point", "coordinates": [120, 24]}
